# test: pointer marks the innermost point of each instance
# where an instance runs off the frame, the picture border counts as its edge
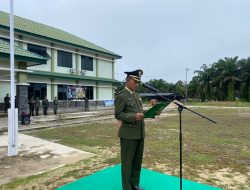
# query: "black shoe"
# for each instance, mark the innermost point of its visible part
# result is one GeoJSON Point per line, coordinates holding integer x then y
{"type": "Point", "coordinates": [136, 188]}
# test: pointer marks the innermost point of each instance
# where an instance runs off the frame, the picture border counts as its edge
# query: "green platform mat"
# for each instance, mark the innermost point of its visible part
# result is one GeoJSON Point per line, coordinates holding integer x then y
{"type": "Point", "coordinates": [110, 179]}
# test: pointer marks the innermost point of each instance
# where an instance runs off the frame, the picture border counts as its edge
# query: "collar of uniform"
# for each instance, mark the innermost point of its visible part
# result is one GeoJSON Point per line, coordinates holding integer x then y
{"type": "Point", "coordinates": [130, 91]}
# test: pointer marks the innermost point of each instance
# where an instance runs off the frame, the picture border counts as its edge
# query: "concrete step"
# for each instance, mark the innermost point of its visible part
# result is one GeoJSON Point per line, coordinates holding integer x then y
{"type": "Point", "coordinates": [64, 123]}
{"type": "Point", "coordinates": [70, 116]}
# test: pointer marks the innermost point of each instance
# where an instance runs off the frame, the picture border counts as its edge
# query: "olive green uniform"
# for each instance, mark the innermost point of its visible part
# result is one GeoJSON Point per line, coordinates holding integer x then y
{"type": "Point", "coordinates": [45, 104]}
{"type": "Point", "coordinates": [131, 133]}
{"type": "Point", "coordinates": [37, 106]}
{"type": "Point", "coordinates": [55, 105]}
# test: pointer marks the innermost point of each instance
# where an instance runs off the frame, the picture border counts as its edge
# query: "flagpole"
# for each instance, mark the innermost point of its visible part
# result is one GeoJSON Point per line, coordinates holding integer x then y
{"type": "Point", "coordinates": [12, 122]}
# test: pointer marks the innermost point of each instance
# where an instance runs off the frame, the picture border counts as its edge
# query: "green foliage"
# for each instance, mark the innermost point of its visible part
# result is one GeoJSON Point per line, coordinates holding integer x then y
{"type": "Point", "coordinates": [163, 86]}
{"type": "Point", "coordinates": [230, 91]}
{"type": "Point", "coordinates": [225, 79]}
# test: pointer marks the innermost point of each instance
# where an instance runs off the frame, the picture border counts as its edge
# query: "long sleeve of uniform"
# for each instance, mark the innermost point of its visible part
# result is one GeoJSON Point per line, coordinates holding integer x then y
{"type": "Point", "coordinates": [120, 113]}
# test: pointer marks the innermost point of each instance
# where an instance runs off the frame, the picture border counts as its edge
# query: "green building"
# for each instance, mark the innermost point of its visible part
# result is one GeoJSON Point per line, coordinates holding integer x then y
{"type": "Point", "coordinates": [49, 61]}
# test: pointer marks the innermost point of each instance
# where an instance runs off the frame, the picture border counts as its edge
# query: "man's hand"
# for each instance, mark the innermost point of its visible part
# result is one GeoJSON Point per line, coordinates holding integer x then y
{"type": "Point", "coordinates": [153, 102]}
{"type": "Point", "coordinates": [139, 116]}
{"type": "Point", "coordinates": [119, 123]}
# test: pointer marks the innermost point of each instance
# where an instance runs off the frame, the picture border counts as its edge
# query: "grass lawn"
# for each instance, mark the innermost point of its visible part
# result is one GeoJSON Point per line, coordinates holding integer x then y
{"type": "Point", "coordinates": [220, 103]}
{"type": "Point", "coordinates": [217, 155]}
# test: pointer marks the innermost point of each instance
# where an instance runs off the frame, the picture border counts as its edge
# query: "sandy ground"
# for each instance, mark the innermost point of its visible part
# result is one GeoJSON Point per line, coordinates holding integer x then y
{"type": "Point", "coordinates": [226, 177]}
{"type": "Point", "coordinates": [35, 156]}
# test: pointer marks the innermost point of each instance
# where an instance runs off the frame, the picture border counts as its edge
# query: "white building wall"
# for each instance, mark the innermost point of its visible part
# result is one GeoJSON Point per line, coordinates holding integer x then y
{"type": "Point", "coordinates": [5, 89]}
{"type": "Point", "coordinates": [38, 79]}
{"type": "Point", "coordinates": [64, 81]}
{"type": "Point", "coordinates": [49, 92]}
{"type": "Point", "coordinates": [25, 46]}
{"type": "Point", "coordinates": [104, 69]}
{"type": "Point", "coordinates": [86, 83]}
{"type": "Point", "coordinates": [55, 90]}
{"type": "Point", "coordinates": [94, 89]}
{"type": "Point", "coordinates": [105, 91]}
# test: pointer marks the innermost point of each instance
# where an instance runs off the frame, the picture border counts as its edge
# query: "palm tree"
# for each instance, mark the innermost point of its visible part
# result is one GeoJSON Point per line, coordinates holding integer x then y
{"type": "Point", "coordinates": [192, 87]}
{"type": "Point", "coordinates": [159, 84]}
{"type": "Point", "coordinates": [226, 75]}
{"type": "Point", "coordinates": [244, 72]}
{"type": "Point", "coordinates": [204, 80]}
{"type": "Point", "coordinates": [180, 88]}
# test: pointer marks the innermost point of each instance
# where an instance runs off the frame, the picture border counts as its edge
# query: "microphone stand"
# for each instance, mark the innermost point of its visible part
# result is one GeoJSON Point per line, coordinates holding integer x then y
{"type": "Point", "coordinates": [180, 109]}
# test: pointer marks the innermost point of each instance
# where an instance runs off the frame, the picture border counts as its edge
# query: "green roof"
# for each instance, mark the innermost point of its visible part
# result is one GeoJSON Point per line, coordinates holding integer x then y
{"type": "Point", "coordinates": [71, 76]}
{"type": "Point", "coordinates": [41, 30]}
{"type": "Point", "coordinates": [20, 54]}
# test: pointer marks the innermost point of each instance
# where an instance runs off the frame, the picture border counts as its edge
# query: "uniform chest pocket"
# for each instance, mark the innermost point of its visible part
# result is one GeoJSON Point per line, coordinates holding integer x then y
{"type": "Point", "coordinates": [131, 103]}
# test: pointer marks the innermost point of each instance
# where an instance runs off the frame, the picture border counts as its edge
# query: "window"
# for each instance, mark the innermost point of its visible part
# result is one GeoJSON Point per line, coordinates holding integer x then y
{"type": "Point", "coordinates": [89, 92]}
{"type": "Point", "coordinates": [64, 59]}
{"type": "Point", "coordinates": [37, 90]}
{"type": "Point", "coordinates": [62, 92]}
{"type": "Point", "coordinates": [87, 63]}
{"type": "Point", "coordinates": [38, 50]}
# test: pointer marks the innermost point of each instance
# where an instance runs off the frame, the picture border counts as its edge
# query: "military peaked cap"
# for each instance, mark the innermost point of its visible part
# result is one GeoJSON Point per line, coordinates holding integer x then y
{"type": "Point", "coordinates": [136, 75]}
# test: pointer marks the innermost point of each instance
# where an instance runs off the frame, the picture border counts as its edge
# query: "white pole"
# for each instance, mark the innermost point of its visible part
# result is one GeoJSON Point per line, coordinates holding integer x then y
{"type": "Point", "coordinates": [12, 127]}
{"type": "Point", "coordinates": [186, 85]}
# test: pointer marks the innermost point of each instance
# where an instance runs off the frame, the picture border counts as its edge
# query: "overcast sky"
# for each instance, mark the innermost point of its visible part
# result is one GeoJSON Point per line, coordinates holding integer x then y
{"type": "Point", "coordinates": [162, 37]}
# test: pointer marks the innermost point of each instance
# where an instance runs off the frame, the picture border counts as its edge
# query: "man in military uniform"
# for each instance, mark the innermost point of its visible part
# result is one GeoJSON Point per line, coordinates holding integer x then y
{"type": "Point", "coordinates": [37, 106]}
{"type": "Point", "coordinates": [45, 104]}
{"type": "Point", "coordinates": [31, 106]}
{"type": "Point", "coordinates": [6, 103]}
{"type": "Point", "coordinates": [55, 105]}
{"type": "Point", "coordinates": [129, 111]}
{"type": "Point", "coordinates": [86, 103]}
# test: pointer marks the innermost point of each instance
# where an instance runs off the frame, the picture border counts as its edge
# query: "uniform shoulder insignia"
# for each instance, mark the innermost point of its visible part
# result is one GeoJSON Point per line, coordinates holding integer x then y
{"type": "Point", "coordinates": [119, 92]}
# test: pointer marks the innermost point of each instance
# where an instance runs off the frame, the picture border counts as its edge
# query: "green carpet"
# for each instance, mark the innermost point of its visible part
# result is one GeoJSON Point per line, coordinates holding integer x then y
{"type": "Point", "coordinates": [110, 179]}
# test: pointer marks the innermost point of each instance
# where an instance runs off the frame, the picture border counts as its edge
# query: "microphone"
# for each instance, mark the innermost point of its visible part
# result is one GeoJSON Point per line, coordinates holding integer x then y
{"type": "Point", "coordinates": [150, 87]}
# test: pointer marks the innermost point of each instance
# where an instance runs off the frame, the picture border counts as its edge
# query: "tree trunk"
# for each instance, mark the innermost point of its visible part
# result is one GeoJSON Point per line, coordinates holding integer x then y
{"type": "Point", "coordinates": [230, 91]}
{"type": "Point", "coordinates": [248, 91]}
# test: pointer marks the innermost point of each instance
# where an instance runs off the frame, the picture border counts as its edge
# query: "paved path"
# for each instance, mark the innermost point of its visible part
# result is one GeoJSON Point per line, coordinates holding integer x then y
{"type": "Point", "coordinates": [35, 156]}
{"type": "Point", "coordinates": [3, 122]}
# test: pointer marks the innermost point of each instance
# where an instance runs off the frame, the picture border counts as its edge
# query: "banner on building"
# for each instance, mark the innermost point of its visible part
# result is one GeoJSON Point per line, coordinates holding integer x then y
{"type": "Point", "coordinates": [75, 93]}
{"type": "Point", "coordinates": [80, 93]}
